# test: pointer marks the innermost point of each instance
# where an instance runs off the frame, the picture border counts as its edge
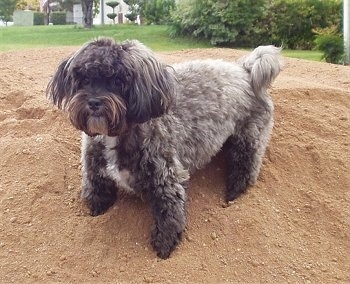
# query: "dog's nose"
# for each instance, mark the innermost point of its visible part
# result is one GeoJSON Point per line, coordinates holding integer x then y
{"type": "Point", "coordinates": [94, 104]}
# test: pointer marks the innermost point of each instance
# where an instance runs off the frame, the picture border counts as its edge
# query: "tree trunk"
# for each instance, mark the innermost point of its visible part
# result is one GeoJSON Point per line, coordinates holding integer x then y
{"type": "Point", "coordinates": [46, 10]}
{"type": "Point", "coordinates": [87, 13]}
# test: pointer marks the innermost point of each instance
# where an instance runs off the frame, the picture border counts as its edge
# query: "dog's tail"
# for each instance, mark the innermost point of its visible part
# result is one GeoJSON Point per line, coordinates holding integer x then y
{"type": "Point", "coordinates": [264, 65]}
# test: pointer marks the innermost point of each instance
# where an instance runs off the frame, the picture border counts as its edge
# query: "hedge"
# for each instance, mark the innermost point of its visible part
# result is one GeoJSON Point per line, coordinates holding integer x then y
{"type": "Point", "coordinates": [58, 18]}
{"type": "Point", "coordinates": [38, 18]}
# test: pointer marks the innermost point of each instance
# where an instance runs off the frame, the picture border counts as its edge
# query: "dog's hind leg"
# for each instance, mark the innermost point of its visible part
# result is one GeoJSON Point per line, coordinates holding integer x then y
{"type": "Point", "coordinates": [245, 151]}
{"type": "Point", "coordinates": [98, 190]}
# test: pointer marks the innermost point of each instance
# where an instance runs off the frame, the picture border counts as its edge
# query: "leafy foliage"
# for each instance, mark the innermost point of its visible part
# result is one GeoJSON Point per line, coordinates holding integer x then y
{"type": "Point", "coordinates": [58, 18]}
{"type": "Point", "coordinates": [157, 11]}
{"type": "Point", "coordinates": [151, 11]}
{"type": "Point", "coordinates": [112, 4]}
{"type": "Point", "coordinates": [292, 22]}
{"type": "Point", "coordinates": [255, 22]}
{"type": "Point", "coordinates": [331, 44]}
{"type": "Point", "coordinates": [131, 16]}
{"type": "Point", "coordinates": [28, 4]}
{"type": "Point", "coordinates": [7, 8]}
{"type": "Point", "coordinates": [112, 16]}
{"type": "Point", "coordinates": [221, 21]}
{"type": "Point", "coordinates": [135, 8]}
{"type": "Point", "coordinates": [38, 18]}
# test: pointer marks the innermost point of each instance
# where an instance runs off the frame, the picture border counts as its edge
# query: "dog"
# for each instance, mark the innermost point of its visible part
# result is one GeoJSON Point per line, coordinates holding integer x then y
{"type": "Point", "coordinates": [146, 126]}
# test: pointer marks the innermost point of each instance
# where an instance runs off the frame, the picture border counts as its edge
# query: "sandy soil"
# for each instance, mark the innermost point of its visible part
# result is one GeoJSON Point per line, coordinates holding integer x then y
{"type": "Point", "coordinates": [292, 226]}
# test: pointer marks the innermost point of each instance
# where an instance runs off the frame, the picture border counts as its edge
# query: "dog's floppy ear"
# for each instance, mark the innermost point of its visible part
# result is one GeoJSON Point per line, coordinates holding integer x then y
{"type": "Point", "coordinates": [150, 86]}
{"type": "Point", "coordinates": [61, 86]}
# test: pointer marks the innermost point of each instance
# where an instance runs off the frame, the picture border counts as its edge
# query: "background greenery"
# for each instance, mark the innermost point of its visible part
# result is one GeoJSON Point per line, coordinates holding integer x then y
{"type": "Point", "coordinates": [154, 36]}
{"type": "Point", "coordinates": [294, 24]}
{"type": "Point", "coordinates": [256, 22]}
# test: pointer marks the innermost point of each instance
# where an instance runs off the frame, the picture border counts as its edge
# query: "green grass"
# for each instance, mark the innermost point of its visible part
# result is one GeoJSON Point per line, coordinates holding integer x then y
{"type": "Point", "coordinates": [154, 36]}
{"type": "Point", "coordinates": [313, 55]}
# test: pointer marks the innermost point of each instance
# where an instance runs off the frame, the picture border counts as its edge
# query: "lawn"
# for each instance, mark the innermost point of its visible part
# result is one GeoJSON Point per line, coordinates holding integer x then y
{"type": "Point", "coordinates": [314, 55]}
{"type": "Point", "coordinates": [154, 36]}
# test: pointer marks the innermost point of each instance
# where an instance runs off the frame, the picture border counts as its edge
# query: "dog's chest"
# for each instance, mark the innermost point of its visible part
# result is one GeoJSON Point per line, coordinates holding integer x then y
{"type": "Point", "coordinates": [122, 177]}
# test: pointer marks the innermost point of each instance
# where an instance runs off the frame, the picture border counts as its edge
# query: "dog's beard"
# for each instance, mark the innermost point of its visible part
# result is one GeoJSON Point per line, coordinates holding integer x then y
{"type": "Point", "coordinates": [109, 119]}
{"type": "Point", "coordinates": [97, 125]}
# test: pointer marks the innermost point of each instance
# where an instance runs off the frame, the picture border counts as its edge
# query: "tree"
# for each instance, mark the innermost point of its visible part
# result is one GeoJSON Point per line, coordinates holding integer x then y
{"type": "Point", "coordinates": [28, 4]}
{"type": "Point", "coordinates": [331, 43]}
{"type": "Point", "coordinates": [293, 21]}
{"type": "Point", "coordinates": [158, 11]}
{"type": "Point", "coordinates": [220, 21]}
{"type": "Point", "coordinates": [87, 6]}
{"type": "Point", "coordinates": [47, 10]}
{"type": "Point", "coordinates": [256, 22]}
{"type": "Point", "coordinates": [90, 9]}
{"type": "Point", "coordinates": [135, 8]}
{"type": "Point", "coordinates": [150, 11]}
{"type": "Point", "coordinates": [7, 7]}
{"type": "Point", "coordinates": [113, 15]}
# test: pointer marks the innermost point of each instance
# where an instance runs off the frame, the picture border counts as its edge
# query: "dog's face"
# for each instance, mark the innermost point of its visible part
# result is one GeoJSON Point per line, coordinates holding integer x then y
{"type": "Point", "coordinates": [106, 86]}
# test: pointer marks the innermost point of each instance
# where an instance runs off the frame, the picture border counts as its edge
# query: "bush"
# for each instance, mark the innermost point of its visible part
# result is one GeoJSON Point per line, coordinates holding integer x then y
{"type": "Point", "coordinates": [220, 22]}
{"type": "Point", "coordinates": [157, 11]}
{"type": "Point", "coordinates": [58, 18]}
{"type": "Point", "coordinates": [131, 17]}
{"type": "Point", "coordinates": [111, 15]}
{"type": "Point", "coordinates": [331, 44]}
{"type": "Point", "coordinates": [112, 4]}
{"type": "Point", "coordinates": [256, 22]}
{"type": "Point", "coordinates": [38, 18]}
{"type": "Point", "coordinates": [293, 21]}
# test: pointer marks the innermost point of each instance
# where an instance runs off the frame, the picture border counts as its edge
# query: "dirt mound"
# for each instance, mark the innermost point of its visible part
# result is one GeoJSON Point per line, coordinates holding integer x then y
{"type": "Point", "coordinates": [292, 226]}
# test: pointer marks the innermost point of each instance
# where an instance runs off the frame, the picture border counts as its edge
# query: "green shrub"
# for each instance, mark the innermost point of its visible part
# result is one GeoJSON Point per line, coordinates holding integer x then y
{"type": "Point", "coordinates": [58, 18]}
{"type": "Point", "coordinates": [294, 21]}
{"type": "Point", "coordinates": [112, 4]}
{"type": "Point", "coordinates": [131, 17]}
{"type": "Point", "coordinates": [220, 22]}
{"type": "Point", "coordinates": [112, 16]}
{"type": "Point", "coordinates": [38, 18]}
{"type": "Point", "coordinates": [157, 11]}
{"type": "Point", "coordinates": [255, 22]}
{"type": "Point", "coordinates": [331, 44]}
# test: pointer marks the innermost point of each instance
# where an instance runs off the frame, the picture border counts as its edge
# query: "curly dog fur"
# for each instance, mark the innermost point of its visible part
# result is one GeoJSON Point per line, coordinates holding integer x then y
{"type": "Point", "coordinates": [147, 126]}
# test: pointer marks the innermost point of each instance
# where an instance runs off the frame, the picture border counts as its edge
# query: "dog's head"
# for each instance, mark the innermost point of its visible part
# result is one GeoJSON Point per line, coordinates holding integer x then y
{"type": "Point", "coordinates": [106, 86]}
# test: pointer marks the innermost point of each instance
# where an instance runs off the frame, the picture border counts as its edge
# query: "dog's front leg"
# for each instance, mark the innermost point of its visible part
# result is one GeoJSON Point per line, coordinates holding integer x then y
{"type": "Point", "coordinates": [169, 210]}
{"type": "Point", "coordinates": [98, 189]}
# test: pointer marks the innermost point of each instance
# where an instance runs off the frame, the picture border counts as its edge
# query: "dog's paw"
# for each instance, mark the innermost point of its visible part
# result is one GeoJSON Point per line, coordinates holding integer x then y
{"type": "Point", "coordinates": [165, 241]}
{"type": "Point", "coordinates": [232, 195]}
{"type": "Point", "coordinates": [96, 210]}
{"type": "Point", "coordinates": [98, 206]}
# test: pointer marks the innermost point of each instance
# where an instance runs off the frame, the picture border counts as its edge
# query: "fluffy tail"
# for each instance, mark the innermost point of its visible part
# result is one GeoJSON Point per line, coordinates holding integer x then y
{"type": "Point", "coordinates": [264, 65]}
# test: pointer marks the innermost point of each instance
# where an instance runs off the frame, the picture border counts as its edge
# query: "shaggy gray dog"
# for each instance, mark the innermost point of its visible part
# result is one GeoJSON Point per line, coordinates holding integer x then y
{"type": "Point", "coordinates": [147, 126]}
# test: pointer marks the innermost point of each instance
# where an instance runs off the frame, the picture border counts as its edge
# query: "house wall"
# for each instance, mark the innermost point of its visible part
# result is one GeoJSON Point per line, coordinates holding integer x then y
{"type": "Point", "coordinates": [77, 14]}
{"type": "Point", "coordinates": [23, 18]}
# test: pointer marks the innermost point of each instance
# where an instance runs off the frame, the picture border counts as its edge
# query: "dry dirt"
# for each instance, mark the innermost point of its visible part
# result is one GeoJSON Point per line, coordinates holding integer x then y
{"type": "Point", "coordinates": [292, 226]}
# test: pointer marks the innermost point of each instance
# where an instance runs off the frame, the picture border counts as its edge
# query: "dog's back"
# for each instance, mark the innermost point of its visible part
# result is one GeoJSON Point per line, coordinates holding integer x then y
{"type": "Point", "coordinates": [216, 98]}
{"type": "Point", "coordinates": [262, 66]}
